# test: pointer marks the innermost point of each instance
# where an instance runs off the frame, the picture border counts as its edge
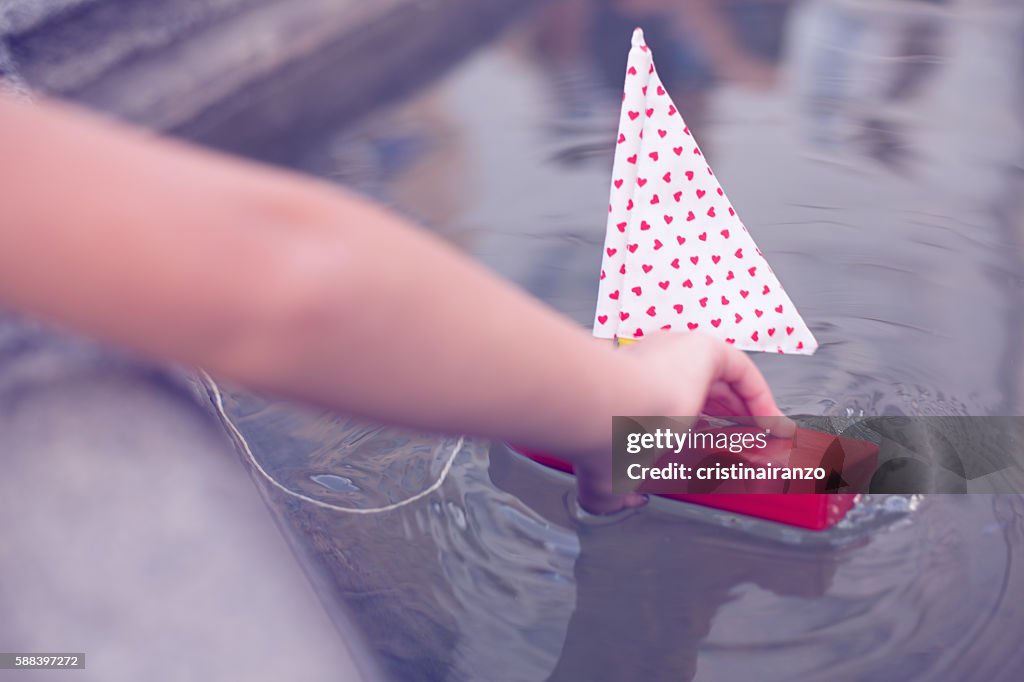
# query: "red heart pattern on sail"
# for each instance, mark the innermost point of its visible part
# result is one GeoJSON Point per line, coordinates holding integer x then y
{"type": "Point", "coordinates": [716, 282]}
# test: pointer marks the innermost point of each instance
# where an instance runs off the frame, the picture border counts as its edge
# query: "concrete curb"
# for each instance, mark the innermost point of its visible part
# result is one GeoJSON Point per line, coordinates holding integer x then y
{"type": "Point", "coordinates": [255, 77]}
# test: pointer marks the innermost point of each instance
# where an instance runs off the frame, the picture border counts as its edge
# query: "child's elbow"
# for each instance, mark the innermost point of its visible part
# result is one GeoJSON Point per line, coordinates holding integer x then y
{"type": "Point", "coordinates": [290, 305]}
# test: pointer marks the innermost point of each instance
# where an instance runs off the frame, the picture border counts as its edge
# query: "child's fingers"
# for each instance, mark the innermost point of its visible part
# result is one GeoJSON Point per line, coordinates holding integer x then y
{"type": "Point", "coordinates": [750, 388]}
{"type": "Point", "coordinates": [738, 371]}
{"type": "Point", "coordinates": [722, 401]}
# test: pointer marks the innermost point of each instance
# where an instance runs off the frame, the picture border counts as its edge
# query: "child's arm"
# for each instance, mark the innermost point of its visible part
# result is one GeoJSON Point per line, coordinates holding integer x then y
{"type": "Point", "coordinates": [290, 284]}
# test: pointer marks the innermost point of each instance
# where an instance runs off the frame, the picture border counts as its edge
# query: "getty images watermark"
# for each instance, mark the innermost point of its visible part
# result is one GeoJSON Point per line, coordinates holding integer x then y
{"type": "Point", "coordinates": [704, 438]}
{"type": "Point", "coordinates": [823, 455]}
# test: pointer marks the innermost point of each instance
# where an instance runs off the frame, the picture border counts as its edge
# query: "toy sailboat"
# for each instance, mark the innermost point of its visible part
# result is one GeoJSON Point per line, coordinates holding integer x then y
{"type": "Point", "coordinates": [676, 255]}
{"type": "Point", "coordinates": [678, 258]}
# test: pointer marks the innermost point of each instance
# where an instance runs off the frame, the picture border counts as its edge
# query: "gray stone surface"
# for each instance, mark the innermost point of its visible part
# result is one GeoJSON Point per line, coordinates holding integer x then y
{"type": "Point", "coordinates": [19, 16]}
{"type": "Point", "coordinates": [132, 533]}
{"type": "Point", "coordinates": [257, 77]}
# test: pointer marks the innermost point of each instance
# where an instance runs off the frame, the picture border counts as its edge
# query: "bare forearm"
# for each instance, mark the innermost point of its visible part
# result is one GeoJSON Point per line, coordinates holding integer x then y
{"type": "Point", "coordinates": [287, 284]}
{"type": "Point", "coordinates": [408, 329]}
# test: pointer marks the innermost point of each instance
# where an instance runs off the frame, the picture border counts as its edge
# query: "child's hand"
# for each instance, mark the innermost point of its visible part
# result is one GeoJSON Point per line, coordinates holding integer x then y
{"type": "Point", "coordinates": [693, 374]}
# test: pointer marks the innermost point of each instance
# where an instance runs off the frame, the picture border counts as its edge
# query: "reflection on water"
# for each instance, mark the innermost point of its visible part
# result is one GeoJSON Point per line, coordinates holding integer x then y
{"type": "Point", "coordinates": [874, 149]}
